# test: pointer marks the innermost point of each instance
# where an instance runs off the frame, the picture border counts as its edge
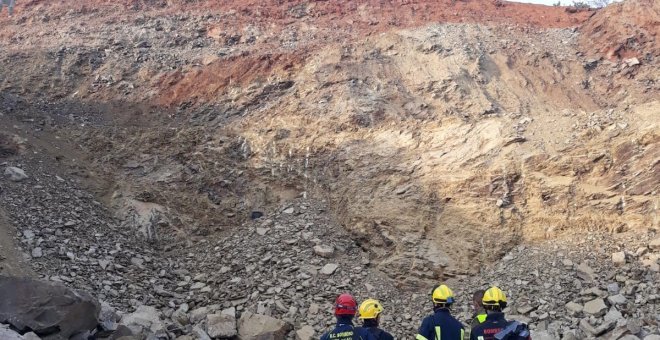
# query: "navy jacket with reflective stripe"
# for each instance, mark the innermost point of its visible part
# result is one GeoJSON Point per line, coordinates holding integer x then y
{"type": "Point", "coordinates": [495, 322]}
{"type": "Point", "coordinates": [441, 326]}
{"type": "Point", "coordinates": [378, 333]}
{"type": "Point", "coordinates": [346, 331]}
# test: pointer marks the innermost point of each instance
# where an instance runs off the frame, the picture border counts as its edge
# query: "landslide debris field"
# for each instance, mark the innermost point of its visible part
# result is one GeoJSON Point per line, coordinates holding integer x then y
{"type": "Point", "coordinates": [202, 167]}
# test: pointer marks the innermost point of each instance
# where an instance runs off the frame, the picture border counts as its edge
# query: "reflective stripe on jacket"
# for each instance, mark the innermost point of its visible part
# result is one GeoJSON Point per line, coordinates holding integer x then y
{"type": "Point", "coordinates": [441, 326]}
{"type": "Point", "coordinates": [494, 323]}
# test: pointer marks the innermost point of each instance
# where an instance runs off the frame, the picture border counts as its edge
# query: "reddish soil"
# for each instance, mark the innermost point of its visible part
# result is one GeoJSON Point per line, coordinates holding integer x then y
{"type": "Point", "coordinates": [371, 15]}
{"type": "Point", "coordinates": [313, 24]}
{"type": "Point", "coordinates": [206, 83]}
{"type": "Point", "coordinates": [624, 30]}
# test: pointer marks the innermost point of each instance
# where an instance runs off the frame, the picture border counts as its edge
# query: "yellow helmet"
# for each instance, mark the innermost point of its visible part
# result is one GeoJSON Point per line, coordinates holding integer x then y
{"type": "Point", "coordinates": [494, 297]}
{"type": "Point", "coordinates": [370, 309]}
{"type": "Point", "coordinates": [442, 294]}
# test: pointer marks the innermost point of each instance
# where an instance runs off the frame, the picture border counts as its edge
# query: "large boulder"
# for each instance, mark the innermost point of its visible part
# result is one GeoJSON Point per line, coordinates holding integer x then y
{"type": "Point", "coordinates": [49, 309]}
{"type": "Point", "coordinates": [262, 327]}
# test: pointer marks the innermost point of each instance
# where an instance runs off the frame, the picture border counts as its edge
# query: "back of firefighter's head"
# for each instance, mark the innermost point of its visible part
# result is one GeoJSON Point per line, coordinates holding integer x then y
{"type": "Point", "coordinates": [442, 296]}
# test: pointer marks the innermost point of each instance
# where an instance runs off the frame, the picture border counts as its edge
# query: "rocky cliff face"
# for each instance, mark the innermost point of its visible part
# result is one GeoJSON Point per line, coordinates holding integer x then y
{"type": "Point", "coordinates": [417, 141]}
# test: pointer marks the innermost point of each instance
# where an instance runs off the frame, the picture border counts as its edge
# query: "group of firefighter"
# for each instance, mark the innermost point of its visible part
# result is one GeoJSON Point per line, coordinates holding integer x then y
{"type": "Point", "coordinates": [487, 323]}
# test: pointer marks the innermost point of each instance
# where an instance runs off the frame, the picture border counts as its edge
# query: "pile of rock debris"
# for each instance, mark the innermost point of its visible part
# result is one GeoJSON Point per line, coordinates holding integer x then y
{"type": "Point", "coordinates": [277, 275]}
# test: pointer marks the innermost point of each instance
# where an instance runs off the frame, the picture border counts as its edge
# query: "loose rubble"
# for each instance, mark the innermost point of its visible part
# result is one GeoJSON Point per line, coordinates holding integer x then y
{"type": "Point", "coordinates": [281, 281]}
{"type": "Point", "coordinates": [218, 221]}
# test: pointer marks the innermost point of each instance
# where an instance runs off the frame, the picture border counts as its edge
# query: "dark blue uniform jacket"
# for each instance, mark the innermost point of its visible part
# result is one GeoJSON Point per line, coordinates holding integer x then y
{"type": "Point", "coordinates": [441, 326]}
{"type": "Point", "coordinates": [346, 331]}
{"type": "Point", "coordinates": [378, 333]}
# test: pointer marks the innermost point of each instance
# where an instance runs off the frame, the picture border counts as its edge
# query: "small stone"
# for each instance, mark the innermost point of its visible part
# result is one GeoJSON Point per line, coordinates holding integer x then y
{"type": "Point", "coordinates": [200, 333]}
{"type": "Point", "coordinates": [137, 262]}
{"type": "Point", "coordinates": [585, 272]}
{"type": "Point", "coordinates": [574, 308]}
{"type": "Point", "coordinates": [31, 336]}
{"type": "Point", "coordinates": [314, 309]}
{"type": "Point", "coordinates": [613, 288]}
{"type": "Point", "coordinates": [628, 337]}
{"type": "Point", "coordinates": [641, 251]}
{"type": "Point", "coordinates": [262, 231]}
{"type": "Point", "coordinates": [326, 251]}
{"type": "Point", "coordinates": [632, 62]}
{"type": "Point", "coordinates": [595, 307]}
{"type": "Point", "coordinates": [652, 262]}
{"type": "Point", "coordinates": [28, 234]}
{"type": "Point", "coordinates": [196, 286]}
{"type": "Point", "coordinates": [587, 327]}
{"type": "Point", "coordinates": [617, 299]}
{"type": "Point", "coordinates": [541, 335]}
{"type": "Point", "coordinates": [305, 333]}
{"type": "Point", "coordinates": [570, 335]}
{"type": "Point", "coordinates": [37, 252]}
{"type": "Point", "coordinates": [634, 326]}
{"type": "Point", "coordinates": [104, 264]}
{"type": "Point", "coordinates": [144, 318]}
{"type": "Point", "coordinates": [613, 315]}
{"type": "Point", "coordinates": [655, 244]}
{"type": "Point", "coordinates": [596, 331]}
{"type": "Point", "coordinates": [255, 326]}
{"type": "Point", "coordinates": [329, 269]}
{"type": "Point", "coordinates": [590, 64]}
{"type": "Point", "coordinates": [619, 258]}
{"type": "Point", "coordinates": [525, 309]}
{"type": "Point", "coordinates": [180, 316]}
{"type": "Point", "coordinates": [567, 263]}
{"type": "Point", "coordinates": [197, 315]}
{"type": "Point", "coordinates": [8, 334]}
{"type": "Point", "coordinates": [15, 174]}
{"type": "Point", "coordinates": [289, 210]}
{"type": "Point", "coordinates": [221, 325]}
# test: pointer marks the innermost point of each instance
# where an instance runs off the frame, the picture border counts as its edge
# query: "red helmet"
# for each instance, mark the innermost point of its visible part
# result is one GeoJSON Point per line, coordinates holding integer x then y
{"type": "Point", "coordinates": [345, 305]}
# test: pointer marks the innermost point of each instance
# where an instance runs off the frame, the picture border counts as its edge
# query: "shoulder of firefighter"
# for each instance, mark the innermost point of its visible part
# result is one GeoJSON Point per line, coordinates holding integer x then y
{"type": "Point", "coordinates": [378, 333]}
{"type": "Point", "coordinates": [513, 330]}
{"type": "Point", "coordinates": [348, 332]}
{"type": "Point", "coordinates": [440, 325]}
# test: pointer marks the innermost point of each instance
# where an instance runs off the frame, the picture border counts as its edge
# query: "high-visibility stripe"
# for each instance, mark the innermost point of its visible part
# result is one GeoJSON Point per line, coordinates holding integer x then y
{"type": "Point", "coordinates": [462, 334]}
{"type": "Point", "coordinates": [420, 337]}
{"type": "Point", "coordinates": [438, 333]}
{"type": "Point", "coordinates": [481, 318]}
{"type": "Point", "coordinates": [480, 338]}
